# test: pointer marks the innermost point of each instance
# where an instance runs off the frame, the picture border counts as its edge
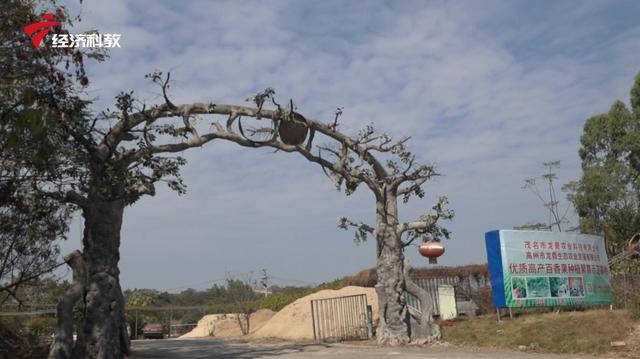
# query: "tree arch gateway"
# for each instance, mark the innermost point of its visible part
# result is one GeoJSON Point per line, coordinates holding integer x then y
{"type": "Point", "coordinates": [128, 151]}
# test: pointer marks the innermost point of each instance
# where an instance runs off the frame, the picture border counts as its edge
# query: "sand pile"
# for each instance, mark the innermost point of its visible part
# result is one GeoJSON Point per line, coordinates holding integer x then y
{"type": "Point", "coordinates": [226, 325]}
{"type": "Point", "coordinates": [294, 321]}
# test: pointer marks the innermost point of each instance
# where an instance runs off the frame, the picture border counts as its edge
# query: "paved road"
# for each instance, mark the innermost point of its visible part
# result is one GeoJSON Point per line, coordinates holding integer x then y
{"type": "Point", "coordinates": [217, 349]}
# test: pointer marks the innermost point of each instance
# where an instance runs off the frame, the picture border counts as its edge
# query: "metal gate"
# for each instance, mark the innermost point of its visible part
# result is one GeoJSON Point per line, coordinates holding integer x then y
{"type": "Point", "coordinates": [340, 318]}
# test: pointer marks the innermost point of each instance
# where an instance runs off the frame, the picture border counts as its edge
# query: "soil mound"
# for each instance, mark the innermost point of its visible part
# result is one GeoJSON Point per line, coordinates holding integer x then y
{"type": "Point", "coordinates": [226, 325]}
{"type": "Point", "coordinates": [294, 321]}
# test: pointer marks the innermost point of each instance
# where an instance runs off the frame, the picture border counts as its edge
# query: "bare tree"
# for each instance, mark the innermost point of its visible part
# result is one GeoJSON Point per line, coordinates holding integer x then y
{"type": "Point", "coordinates": [241, 293]}
{"type": "Point", "coordinates": [557, 217]}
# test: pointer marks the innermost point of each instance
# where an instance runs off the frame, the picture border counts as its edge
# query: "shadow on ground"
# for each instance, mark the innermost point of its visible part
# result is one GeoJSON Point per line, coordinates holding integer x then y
{"type": "Point", "coordinates": [218, 349]}
{"type": "Point", "coordinates": [214, 349]}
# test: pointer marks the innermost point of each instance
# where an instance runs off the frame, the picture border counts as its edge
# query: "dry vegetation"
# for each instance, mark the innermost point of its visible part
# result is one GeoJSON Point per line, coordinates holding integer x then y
{"type": "Point", "coordinates": [626, 289]}
{"type": "Point", "coordinates": [565, 332]}
{"type": "Point", "coordinates": [25, 337]}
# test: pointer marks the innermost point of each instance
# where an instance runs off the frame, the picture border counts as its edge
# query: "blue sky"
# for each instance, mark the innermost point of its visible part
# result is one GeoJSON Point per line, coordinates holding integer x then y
{"type": "Point", "coordinates": [487, 89]}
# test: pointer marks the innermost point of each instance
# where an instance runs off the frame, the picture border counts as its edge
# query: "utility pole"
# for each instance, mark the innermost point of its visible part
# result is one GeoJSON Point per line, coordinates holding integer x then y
{"type": "Point", "coordinates": [264, 281]}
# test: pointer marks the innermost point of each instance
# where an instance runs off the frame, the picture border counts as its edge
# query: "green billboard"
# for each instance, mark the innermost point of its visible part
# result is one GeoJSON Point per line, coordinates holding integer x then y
{"type": "Point", "coordinates": [539, 269]}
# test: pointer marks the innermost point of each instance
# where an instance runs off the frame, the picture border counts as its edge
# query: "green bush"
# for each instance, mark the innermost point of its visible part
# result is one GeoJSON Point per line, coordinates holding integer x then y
{"type": "Point", "coordinates": [190, 317]}
{"type": "Point", "coordinates": [278, 301]}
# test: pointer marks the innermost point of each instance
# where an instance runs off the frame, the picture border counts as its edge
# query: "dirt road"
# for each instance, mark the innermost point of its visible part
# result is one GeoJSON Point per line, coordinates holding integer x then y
{"type": "Point", "coordinates": [217, 349]}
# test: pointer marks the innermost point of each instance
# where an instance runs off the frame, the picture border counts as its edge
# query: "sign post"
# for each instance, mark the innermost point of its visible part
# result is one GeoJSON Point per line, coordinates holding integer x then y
{"type": "Point", "coordinates": [547, 269]}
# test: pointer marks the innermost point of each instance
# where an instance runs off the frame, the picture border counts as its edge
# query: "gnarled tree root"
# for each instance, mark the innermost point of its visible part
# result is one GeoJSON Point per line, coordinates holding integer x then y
{"type": "Point", "coordinates": [426, 330]}
{"type": "Point", "coordinates": [62, 346]}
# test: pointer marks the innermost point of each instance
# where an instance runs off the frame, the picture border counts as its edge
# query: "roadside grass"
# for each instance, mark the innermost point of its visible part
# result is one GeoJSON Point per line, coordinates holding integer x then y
{"type": "Point", "coordinates": [590, 331]}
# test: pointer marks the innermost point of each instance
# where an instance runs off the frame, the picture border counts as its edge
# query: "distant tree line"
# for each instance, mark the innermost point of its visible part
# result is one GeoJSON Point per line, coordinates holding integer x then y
{"type": "Point", "coordinates": [606, 197]}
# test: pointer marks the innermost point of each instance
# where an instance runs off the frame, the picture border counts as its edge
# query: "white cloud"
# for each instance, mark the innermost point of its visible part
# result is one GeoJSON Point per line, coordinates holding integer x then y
{"type": "Point", "coordinates": [486, 94]}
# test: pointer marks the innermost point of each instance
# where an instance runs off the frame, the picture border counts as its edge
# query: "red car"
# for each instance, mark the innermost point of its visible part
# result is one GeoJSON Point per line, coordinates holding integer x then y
{"type": "Point", "coordinates": [153, 330]}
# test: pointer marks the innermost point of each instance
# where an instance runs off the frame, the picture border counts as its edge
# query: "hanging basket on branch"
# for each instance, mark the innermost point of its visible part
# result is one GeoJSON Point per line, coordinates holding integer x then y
{"type": "Point", "coordinates": [432, 250]}
{"type": "Point", "coordinates": [293, 131]}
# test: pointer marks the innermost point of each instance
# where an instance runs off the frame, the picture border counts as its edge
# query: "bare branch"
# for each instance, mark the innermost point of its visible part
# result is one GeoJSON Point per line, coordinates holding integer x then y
{"type": "Point", "coordinates": [234, 112]}
{"type": "Point", "coordinates": [416, 184]}
{"type": "Point", "coordinates": [419, 225]}
{"type": "Point", "coordinates": [419, 176]}
{"type": "Point", "coordinates": [344, 223]}
{"type": "Point", "coordinates": [362, 229]}
{"type": "Point", "coordinates": [383, 145]}
{"type": "Point", "coordinates": [69, 197]}
{"type": "Point", "coordinates": [165, 86]}
{"type": "Point", "coordinates": [312, 133]}
{"type": "Point", "coordinates": [147, 188]}
{"type": "Point", "coordinates": [23, 279]}
{"type": "Point", "coordinates": [412, 237]}
{"type": "Point", "coordinates": [339, 112]}
{"type": "Point", "coordinates": [428, 221]}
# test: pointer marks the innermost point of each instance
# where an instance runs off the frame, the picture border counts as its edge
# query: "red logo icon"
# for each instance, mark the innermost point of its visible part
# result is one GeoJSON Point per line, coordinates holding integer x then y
{"type": "Point", "coordinates": [40, 29]}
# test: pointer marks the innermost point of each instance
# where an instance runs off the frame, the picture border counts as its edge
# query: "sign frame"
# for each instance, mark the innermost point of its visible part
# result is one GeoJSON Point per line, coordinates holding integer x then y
{"type": "Point", "coordinates": [547, 269]}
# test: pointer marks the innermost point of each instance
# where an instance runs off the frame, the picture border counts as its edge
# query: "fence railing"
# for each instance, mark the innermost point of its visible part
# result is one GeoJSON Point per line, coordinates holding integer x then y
{"type": "Point", "coordinates": [28, 313]}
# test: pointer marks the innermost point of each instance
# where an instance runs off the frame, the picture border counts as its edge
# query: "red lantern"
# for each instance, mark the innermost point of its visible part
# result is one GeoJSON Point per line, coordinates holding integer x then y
{"type": "Point", "coordinates": [431, 250]}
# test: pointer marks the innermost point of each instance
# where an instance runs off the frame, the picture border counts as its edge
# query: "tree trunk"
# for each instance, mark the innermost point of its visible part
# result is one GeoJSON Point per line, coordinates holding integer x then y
{"type": "Point", "coordinates": [393, 327]}
{"type": "Point", "coordinates": [102, 333]}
